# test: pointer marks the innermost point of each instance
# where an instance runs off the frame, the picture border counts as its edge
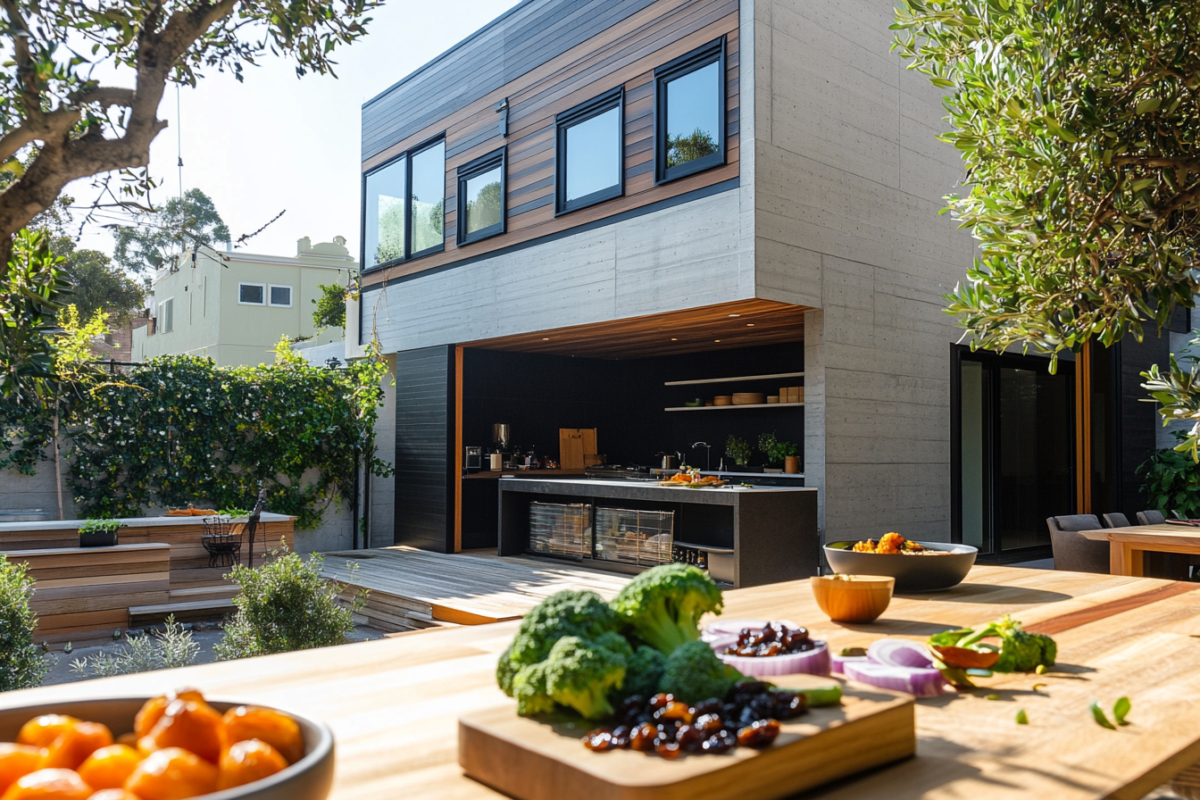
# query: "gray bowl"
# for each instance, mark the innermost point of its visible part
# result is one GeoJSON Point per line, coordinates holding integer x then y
{"type": "Point", "coordinates": [310, 778]}
{"type": "Point", "coordinates": [912, 573]}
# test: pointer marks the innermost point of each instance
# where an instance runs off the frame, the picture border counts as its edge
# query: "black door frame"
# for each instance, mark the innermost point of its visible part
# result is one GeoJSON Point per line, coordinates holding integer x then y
{"type": "Point", "coordinates": [958, 354]}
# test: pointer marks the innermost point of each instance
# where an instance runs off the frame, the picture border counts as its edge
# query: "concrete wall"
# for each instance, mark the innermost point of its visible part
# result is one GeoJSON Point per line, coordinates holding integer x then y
{"type": "Point", "coordinates": [849, 180]}
{"type": "Point", "coordinates": [19, 491]}
{"type": "Point", "coordinates": [381, 524]}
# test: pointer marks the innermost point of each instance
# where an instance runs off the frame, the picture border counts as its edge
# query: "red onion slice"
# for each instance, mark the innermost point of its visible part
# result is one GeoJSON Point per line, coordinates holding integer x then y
{"type": "Point", "coordinates": [899, 653]}
{"type": "Point", "coordinates": [911, 680]}
{"type": "Point", "coordinates": [837, 663]}
{"type": "Point", "coordinates": [810, 662]}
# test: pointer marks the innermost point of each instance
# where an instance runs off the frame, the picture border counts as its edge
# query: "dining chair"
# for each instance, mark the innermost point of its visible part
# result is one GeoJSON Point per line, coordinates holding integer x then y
{"type": "Point", "coordinates": [1116, 520]}
{"type": "Point", "coordinates": [1150, 518]}
{"type": "Point", "coordinates": [1073, 552]}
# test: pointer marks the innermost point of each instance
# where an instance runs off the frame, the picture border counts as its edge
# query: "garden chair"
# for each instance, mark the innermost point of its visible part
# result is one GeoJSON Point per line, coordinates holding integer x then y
{"type": "Point", "coordinates": [1073, 552]}
{"type": "Point", "coordinates": [1150, 518]}
{"type": "Point", "coordinates": [1116, 520]}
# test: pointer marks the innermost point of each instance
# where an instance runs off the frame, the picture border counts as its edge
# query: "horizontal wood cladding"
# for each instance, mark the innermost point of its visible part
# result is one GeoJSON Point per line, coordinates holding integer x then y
{"type": "Point", "coordinates": [623, 54]}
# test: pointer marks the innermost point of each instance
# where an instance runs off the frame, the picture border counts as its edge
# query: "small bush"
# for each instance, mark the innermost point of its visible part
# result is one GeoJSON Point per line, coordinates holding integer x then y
{"type": "Point", "coordinates": [168, 649]}
{"type": "Point", "coordinates": [286, 605]}
{"type": "Point", "coordinates": [21, 664]}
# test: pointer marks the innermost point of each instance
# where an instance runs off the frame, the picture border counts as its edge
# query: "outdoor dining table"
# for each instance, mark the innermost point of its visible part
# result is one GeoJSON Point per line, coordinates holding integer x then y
{"type": "Point", "coordinates": [393, 703]}
{"type": "Point", "coordinates": [1126, 545]}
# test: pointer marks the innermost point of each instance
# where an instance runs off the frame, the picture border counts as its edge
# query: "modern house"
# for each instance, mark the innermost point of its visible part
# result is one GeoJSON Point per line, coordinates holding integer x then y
{"type": "Point", "coordinates": [591, 214]}
{"type": "Point", "coordinates": [234, 307]}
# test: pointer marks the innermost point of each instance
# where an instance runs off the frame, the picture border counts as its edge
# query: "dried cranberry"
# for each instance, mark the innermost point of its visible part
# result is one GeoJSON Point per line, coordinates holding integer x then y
{"type": "Point", "coordinates": [720, 742]}
{"type": "Point", "coordinates": [674, 710]}
{"type": "Point", "coordinates": [710, 706]}
{"type": "Point", "coordinates": [599, 741]}
{"type": "Point", "coordinates": [660, 700]}
{"type": "Point", "coordinates": [643, 737]}
{"type": "Point", "coordinates": [709, 723]}
{"type": "Point", "coordinates": [759, 733]}
{"type": "Point", "coordinates": [788, 705]}
{"type": "Point", "coordinates": [669, 750]}
{"type": "Point", "coordinates": [689, 738]}
{"type": "Point", "coordinates": [620, 736]}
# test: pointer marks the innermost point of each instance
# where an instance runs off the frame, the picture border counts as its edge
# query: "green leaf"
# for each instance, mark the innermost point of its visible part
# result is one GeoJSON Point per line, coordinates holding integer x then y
{"type": "Point", "coordinates": [1099, 716]}
{"type": "Point", "coordinates": [1146, 106]}
{"type": "Point", "coordinates": [1121, 710]}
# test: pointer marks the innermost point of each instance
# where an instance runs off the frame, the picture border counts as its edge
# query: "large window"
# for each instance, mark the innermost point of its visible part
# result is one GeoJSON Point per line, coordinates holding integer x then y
{"type": "Point", "coordinates": [690, 113]}
{"type": "Point", "coordinates": [481, 198]}
{"type": "Point", "coordinates": [591, 152]}
{"type": "Point", "coordinates": [404, 206]}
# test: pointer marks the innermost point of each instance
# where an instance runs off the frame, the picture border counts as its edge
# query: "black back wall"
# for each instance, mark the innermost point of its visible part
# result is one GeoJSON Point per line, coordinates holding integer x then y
{"type": "Point", "coordinates": [425, 448]}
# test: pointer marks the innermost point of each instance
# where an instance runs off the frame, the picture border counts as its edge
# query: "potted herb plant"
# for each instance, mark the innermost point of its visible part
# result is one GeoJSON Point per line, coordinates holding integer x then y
{"type": "Point", "coordinates": [99, 532]}
{"type": "Point", "coordinates": [740, 451]}
{"type": "Point", "coordinates": [777, 452]}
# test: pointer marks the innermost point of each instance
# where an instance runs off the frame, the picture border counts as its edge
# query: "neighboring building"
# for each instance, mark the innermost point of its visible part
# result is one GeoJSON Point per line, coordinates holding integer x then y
{"type": "Point", "coordinates": [117, 345]}
{"type": "Point", "coordinates": [234, 307]}
{"type": "Point", "coordinates": [586, 201]}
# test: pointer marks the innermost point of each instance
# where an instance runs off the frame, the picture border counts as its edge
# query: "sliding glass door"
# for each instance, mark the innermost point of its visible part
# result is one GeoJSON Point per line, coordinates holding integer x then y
{"type": "Point", "coordinates": [1012, 448]}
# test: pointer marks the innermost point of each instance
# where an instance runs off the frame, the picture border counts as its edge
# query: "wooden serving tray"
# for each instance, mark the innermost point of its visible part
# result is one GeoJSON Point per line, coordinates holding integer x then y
{"type": "Point", "coordinates": [543, 759]}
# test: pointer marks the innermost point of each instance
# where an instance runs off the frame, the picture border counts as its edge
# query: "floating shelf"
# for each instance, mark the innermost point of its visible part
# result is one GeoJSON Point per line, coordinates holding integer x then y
{"type": "Point", "coordinates": [732, 380]}
{"type": "Point", "coordinates": [731, 407]}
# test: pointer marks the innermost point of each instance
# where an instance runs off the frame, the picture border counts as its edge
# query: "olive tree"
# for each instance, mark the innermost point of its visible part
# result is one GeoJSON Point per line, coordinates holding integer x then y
{"type": "Point", "coordinates": [1079, 126]}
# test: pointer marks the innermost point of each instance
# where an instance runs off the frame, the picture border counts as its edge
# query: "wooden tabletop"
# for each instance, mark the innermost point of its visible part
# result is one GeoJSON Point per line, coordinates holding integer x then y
{"type": "Point", "coordinates": [1134, 533]}
{"type": "Point", "coordinates": [393, 703]}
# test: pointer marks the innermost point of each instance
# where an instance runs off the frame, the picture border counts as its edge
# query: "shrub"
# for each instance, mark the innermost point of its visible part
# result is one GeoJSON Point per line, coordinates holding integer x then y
{"type": "Point", "coordinates": [286, 605]}
{"type": "Point", "coordinates": [1172, 482]}
{"type": "Point", "coordinates": [167, 649]}
{"type": "Point", "coordinates": [21, 665]}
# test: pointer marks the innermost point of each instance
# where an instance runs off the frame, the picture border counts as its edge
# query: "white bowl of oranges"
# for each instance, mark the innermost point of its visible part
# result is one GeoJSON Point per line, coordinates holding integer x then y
{"type": "Point", "coordinates": [173, 747]}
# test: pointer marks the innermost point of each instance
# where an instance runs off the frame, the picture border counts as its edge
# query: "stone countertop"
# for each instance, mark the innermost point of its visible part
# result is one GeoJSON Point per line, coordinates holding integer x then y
{"type": "Point", "coordinates": [645, 490]}
{"type": "Point", "coordinates": [130, 522]}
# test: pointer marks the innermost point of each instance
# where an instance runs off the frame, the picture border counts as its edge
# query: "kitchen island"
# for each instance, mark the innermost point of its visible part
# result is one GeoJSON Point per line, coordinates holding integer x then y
{"type": "Point", "coordinates": [751, 535]}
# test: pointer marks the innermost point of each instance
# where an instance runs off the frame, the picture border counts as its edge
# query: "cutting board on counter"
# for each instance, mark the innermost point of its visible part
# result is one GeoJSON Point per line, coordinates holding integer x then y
{"type": "Point", "coordinates": [574, 447]}
{"type": "Point", "coordinates": [535, 759]}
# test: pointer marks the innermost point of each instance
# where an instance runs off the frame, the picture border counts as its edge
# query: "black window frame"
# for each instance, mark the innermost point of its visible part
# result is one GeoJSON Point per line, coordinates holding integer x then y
{"type": "Point", "coordinates": [583, 112]}
{"type": "Point", "coordinates": [713, 52]}
{"type": "Point", "coordinates": [473, 169]}
{"type": "Point", "coordinates": [408, 227]}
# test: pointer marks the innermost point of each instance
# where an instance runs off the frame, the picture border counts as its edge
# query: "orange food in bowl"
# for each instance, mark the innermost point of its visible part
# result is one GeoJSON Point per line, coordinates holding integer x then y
{"type": "Point", "coordinates": [267, 725]}
{"type": "Point", "coordinates": [249, 761]}
{"type": "Point", "coordinates": [42, 731]}
{"type": "Point", "coordinates": [114, 794]}
{"type": "Point", "coordinates": [49, 784]}
{"type": "Point", "coordinates": [195, 727]}
{"type": "Point", "coordinates": [109, 767]}
{"type": "Point", "coordinates": [16, 761]}
{"type": "Point", "coordinates": [172, 774]}
{"type": "Point", "coordinates": [153, 709]}
{"type": "Point", "coordinates": [75, 744]}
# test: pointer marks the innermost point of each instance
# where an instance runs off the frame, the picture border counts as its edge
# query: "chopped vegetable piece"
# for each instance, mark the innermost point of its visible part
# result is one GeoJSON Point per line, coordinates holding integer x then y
{"type": "Point", "coordinates": [1041, 669]}
{"type": "Point", "coordinates": [992, 697]}
{"type": "Point", "coordinates": [1121, 710]}
{"type": "Point", "coordinates": [1037, 686]}
{"type": "Point", "coordinates": [1022, 717]}
{"type": "Point", "coordinates": [1099, 716]}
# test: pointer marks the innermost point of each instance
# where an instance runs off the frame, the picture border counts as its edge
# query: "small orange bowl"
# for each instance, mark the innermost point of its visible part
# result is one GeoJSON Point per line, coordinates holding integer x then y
{"type": "Point", "coordinates": [853, 598]}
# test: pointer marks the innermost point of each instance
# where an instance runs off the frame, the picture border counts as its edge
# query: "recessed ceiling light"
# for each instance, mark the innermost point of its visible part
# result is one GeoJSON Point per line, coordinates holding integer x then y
{"type": "Point", "coordinates": [545, 338]}
{"type": "Point", "coordinates": [716, 340]}
{"type": "Point", "coordinates": [735, 315]}
{"type": "Point", "coordinates": [674, 339]}
{"type": "Point", "coordinates": [749, 324]}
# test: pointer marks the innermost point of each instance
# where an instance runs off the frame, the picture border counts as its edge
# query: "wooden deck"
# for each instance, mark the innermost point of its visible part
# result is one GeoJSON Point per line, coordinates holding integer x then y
{"type": "Point", "coordinates": [412, 588]}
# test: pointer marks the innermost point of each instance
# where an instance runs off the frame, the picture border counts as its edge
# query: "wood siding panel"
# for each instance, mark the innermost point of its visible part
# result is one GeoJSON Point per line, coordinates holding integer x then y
{"type": "Point", "coordinates": [625, 52]}
{"type": "Point", "coordinates": [424, 445]}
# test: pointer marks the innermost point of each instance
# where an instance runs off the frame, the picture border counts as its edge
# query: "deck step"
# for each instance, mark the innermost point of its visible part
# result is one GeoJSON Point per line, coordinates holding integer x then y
{"type": "Point", "coordinates": [183, 612]}
{"type": "Point", "coordinates": [224, 591]}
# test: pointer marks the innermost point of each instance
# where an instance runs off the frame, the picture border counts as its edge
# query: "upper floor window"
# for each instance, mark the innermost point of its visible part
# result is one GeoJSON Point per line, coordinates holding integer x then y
{"type": "Point", "coordinates": [281, 296]}
{"type": "Point", "coordinates": [481, 208]}
{"type": "Point", "coordinates": [166, 316]}
{"type": "Point", "coordinates": [404, 206]}
{"type": "Point", "coordinates": [690, 113]}
{"type": "Point", "coordinates": [252, 294]}
{"type": "Point", "coordinates": [591, 152]}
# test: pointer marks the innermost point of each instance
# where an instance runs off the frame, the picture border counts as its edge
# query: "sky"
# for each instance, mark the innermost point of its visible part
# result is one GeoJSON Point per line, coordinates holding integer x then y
{"type": "Point", "coordinates": [277, 142]}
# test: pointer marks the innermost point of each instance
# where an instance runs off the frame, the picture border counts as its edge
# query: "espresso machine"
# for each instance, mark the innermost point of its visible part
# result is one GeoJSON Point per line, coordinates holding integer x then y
{"type": "Point", "coordinates": [501, 439]}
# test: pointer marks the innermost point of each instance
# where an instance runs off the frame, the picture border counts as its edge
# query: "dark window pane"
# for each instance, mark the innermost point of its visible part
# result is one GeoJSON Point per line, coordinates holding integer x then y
{"type": "Point", "coordinates": [384, 210]}
{"type": "Point", "coordinates": [428, 197]}
{"type": "Point", "coordinates": [281, 295]}
{"type": "Point", "coordinates": [483, 201]}
{"type": "Point", "coordinates": [594, 154]}
{"type": "Point", "coordinates": [693, 107]}
{"type": "Point", "coordinates": [251, 293]}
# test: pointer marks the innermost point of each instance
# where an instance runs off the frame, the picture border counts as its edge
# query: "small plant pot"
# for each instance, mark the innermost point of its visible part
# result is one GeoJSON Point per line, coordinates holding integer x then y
{"type": "Point", "coordinates": [791, 465]}
{"type": "Point", "coordinates": [98, 539]}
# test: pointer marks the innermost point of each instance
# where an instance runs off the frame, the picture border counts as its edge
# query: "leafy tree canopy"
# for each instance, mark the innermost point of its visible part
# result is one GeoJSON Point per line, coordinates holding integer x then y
{"type": "Point", "coordinates": [98, 286]}
{"type": "Point", "coordinates": [331, 306]}
{"type": "Point", "coordinates": [156, 237]}
{"type": "Point", "coordinates": [1079, 124]}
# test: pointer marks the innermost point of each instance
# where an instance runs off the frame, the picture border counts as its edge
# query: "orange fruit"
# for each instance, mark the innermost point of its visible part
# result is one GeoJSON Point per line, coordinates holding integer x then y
{"type": "Point", "coordinates": [249, 761]}
{"type": "Point", "coordinates": [49, 784]}
{"type": "Point", "coordinates": [42, 731]}
{"type": "Point", "coordinates": [153, 709]}
{"type": "Point", "coordinates": [114, 794]}
{"type": "Point", "coordinates": [172, 774]}
{"type": "Point", "coordinates": [187, 724]}
{"type": "Point", "coordinates": [74, 745]}
{"type": "Point", "coordinates": [109, 767]}
{"type": "Point", "coordinates": [16, 761]}
{"type": "Point", "coordinates": [267, 725]}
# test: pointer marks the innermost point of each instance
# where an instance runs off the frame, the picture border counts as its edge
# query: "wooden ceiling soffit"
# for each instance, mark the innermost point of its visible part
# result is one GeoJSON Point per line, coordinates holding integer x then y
{"type": "Point", "coordinates": [745, 323]}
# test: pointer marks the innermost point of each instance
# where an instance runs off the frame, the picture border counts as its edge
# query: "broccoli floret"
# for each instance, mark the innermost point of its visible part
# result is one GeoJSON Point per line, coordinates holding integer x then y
{"type": "Point", "coordinates": [663, 605]}
{"type": "Point", "coordinates": [643, 674]}
{"type": "Point", "coordinates": [693, 673]}
{"type": "Point", "coordinates": [580, 672]}
{"type": "Point", "coordinates": [1020, 651]}
{"type": "Point", "coordinates": [506, 671]}
{"type": "Point", "coordinates": [582, 614]}
{"type": "Point", "coordinates": [530, 690]}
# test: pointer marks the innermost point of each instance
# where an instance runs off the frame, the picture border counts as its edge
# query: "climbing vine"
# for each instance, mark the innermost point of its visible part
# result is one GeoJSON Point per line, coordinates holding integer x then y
{"type": "Point", "coordinates": [181, 430]}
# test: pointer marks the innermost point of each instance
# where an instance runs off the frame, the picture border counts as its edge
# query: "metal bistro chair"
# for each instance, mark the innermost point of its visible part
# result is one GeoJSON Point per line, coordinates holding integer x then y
{"type": "Point", "coordinates": [1073, 552]}
{"type": "Point", "coordinates": [224, 547]}
{"type": "Point", "coordinates": [1150, 518]}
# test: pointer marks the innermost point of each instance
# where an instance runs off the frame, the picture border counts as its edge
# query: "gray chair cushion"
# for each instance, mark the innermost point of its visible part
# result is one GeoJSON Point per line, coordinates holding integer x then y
{"type": "Point", "coordinates": [1073, 552]}
{"type": "Point", "coordinates": [1116, 520]}
{"type": "Point", "coordinates": [1150, 518]}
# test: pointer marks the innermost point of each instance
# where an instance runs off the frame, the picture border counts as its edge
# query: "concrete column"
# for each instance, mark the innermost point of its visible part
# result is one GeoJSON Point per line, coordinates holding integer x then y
{"type": "Point", "coordinates": [814, 410]}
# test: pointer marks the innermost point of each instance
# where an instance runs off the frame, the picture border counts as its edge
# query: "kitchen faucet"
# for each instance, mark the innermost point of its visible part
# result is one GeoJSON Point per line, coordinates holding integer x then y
{"type": "Point", "coordinates": [707, 454]}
